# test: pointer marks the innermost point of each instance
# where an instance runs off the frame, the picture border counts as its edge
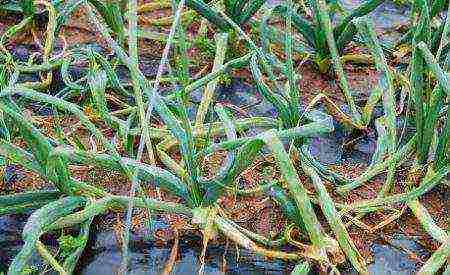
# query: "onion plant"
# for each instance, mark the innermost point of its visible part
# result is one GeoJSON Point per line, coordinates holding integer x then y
{"type": "Point", "coordinates": [287, 103]}
{"type": "Point", "coordinates": [427, 96]}
{"type": "Point", "coordinates": [435, 9]}
{"type": "Point", "coordinates": [324, 41]}
{"type": "Point", "coordinates": [82, 201]}
{"type": "Point", "coordinates": [52, 163]}
{"type": "Point", "coordinates": [331, 40]}
{"type": "Point", "coordinates": [239, 11]}
{"type": "Point", "coordinates": [429, 101]}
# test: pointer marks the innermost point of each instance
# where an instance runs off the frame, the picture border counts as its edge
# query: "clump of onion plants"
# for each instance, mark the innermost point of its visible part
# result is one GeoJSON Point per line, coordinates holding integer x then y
{"type": "Point", "coordinates": [239, 11]}
{"type": "Point", "coordinates": [428, 148]}
{"type": "Point", "coordinates": [74, 203]}
{"type": "Point", "coordinates": [324, 41]}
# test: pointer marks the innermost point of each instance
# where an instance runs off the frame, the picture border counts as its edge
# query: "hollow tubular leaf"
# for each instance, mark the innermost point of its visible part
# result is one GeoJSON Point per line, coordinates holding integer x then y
{"type": "Point", "coordinates": [299, 192]}
{"type": "Point", "coordinates": [23, 202]}
{"type": "Point", "coordinates": [333, 218]}
{"type": "Point", "coordinates": [37, 224]}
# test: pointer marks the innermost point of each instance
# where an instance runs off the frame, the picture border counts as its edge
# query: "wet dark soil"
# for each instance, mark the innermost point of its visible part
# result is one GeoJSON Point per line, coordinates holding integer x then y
{"type": "Point", "coordinates": [401, 255]}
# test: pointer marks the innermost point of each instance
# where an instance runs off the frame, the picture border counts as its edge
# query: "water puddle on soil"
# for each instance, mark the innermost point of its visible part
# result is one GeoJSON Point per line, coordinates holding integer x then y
{"type": "Point", "coordinates": [397, 257]}
{"type": "Point", "coordinates": [391, 258]}
{"type": "Point", "coordinates": [11, 241]}
{"type": "Point", "coordinates": [103, 255]}
{"type": "Point", "coordinates": [146, 258]}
